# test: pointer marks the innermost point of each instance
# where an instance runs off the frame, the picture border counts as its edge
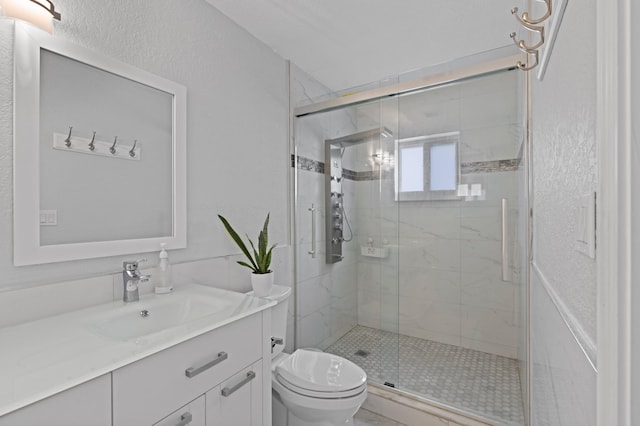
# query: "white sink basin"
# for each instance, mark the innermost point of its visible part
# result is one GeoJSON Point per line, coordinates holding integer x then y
{"type": "Point", "coordinates": [153, 314]}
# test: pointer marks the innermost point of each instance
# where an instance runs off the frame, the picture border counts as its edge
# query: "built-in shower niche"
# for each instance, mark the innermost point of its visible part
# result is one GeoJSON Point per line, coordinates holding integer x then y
{"type": "Point", "coordinates": [334, 194]}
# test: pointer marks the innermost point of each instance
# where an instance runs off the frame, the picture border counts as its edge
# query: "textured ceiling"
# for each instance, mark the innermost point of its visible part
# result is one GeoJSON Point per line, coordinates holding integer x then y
{"type": "Point", "coordinates": [347, 43]}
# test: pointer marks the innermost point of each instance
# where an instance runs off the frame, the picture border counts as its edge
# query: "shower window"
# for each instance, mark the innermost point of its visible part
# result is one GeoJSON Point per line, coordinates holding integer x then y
{"type": "Point", "coordinates": [428, 167]}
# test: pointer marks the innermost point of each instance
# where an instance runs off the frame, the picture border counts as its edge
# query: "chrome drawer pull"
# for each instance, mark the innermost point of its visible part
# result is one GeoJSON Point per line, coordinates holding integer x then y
{"type": "Point", "coordinates": [185, 419]}
{"type": "Point", "coordinates": [191, 371]}
{"type": "Point", "coordinates": [226, 391]}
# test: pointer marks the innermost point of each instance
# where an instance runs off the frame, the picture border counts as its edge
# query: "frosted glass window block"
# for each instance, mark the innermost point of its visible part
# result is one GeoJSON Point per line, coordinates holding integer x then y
{"type": "Point", "coordinates": [443, 167]}
{"type": "Point", "coordinates": [412, 171]}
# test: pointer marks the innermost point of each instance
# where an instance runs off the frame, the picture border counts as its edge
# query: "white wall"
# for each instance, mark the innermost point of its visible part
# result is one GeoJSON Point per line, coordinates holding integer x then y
{"type": "Point", "coordinates": [564, 112]}
{"type": "Point", "coordinates": [563, 383]}
{"type": "Point", "coordinates": [237, 125]}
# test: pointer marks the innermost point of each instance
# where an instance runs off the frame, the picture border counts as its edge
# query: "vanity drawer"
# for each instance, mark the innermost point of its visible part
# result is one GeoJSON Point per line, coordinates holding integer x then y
{"type": "Point", "coordinates": [148, 390]}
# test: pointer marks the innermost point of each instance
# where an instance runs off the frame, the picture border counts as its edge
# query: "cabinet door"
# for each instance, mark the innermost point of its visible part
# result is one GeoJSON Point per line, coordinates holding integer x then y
{"type": "Point", "coordinates": [238, 400]}
{"type": "Point", "coordinates": [192, 414]}
{"type": "Point", "coordinates": [85, 404]}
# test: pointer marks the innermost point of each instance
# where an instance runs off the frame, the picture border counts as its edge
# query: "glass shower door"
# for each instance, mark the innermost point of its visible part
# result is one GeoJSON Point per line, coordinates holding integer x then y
{"type": "Point", "coordinates": [410, 242]}
{"type": "Point", "coordinates": [347, 274]}
{"type": "Point", "coordinates": [458, 175]}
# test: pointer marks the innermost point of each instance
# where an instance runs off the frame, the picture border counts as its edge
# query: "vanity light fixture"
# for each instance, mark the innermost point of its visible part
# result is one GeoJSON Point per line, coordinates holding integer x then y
{"type": "Point", "coordinates": [37, 12]}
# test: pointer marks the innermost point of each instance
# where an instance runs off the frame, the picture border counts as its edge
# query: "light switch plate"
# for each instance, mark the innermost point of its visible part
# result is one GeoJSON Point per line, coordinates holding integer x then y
{"type": "Point", "coordinates": [586, 225]}
{"type": "Point", "coordinates": [48, 217]}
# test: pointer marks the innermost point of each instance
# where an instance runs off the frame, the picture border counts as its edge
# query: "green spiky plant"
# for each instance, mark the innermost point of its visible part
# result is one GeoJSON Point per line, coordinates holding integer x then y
{"type": "Point", "coordinates": [261, 259]}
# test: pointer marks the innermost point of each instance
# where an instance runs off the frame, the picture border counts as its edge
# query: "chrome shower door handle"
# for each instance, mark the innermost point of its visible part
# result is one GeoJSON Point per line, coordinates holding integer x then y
{"type": "Point", "coordinates": [312, 252]}
{"type": "Point", "coordinates": [505, 240]}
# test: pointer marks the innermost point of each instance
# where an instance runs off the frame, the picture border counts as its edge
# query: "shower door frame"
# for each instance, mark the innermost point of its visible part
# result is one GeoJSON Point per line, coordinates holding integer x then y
{"type": "Point", "coordinates": [502, 63]}
{"type": "Point", "coordinates": [419, 84]}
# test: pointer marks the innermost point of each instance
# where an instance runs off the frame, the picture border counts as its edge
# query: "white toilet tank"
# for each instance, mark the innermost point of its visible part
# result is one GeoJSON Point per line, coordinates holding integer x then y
{"type": "Point", "coordinates": [280, 294]}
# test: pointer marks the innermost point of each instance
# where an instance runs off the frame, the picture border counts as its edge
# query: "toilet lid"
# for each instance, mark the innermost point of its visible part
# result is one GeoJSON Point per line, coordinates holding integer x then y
{"type": "Point", "coordinates": [321, 372]}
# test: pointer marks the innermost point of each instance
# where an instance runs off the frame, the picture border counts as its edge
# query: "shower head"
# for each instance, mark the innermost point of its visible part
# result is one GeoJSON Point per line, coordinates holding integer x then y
{"type": "Point", "coordinates": [360, 137]}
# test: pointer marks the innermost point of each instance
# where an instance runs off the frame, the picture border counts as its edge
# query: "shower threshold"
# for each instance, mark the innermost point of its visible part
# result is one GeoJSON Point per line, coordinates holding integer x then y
{"type": "Point", "coordinates": [483, 384]}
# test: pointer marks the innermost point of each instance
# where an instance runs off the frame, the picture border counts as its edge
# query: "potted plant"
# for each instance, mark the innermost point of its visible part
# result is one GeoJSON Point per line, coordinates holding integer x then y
{"type": "Point", "coordinates": [259, 262]}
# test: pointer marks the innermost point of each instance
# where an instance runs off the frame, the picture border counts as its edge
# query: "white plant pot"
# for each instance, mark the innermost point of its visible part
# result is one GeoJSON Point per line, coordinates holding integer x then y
{"type": "Point", "coordinates": [262, 284]}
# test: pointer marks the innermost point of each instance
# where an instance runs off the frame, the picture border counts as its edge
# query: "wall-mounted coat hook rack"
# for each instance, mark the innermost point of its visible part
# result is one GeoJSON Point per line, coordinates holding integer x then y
{"type": "Point", "coordinates": [533, 25]}
{"type": "Point", "coordinates": [525, 20]}
{"type": "Point", "coordinates": [132, 151]}
{"type": "Point", "coordinates": [527, 67]}
{"type": "Point", "coordinates": [67, 141]}
{"type": "Point", "coordinates": [112, 150]}
{"type": "Point", "coordinates": [94, 146]}
{"type": "Point", "coordinates": [521, 43]}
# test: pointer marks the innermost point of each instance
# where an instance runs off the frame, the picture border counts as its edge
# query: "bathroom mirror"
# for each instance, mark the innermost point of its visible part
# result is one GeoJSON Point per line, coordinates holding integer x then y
{"type": "Point", "coordinates": [99, 154]}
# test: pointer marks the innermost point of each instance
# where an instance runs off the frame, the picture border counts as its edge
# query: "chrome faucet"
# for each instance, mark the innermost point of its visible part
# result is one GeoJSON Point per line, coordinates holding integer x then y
{"type": "Point", "coordinates": [131, 278]}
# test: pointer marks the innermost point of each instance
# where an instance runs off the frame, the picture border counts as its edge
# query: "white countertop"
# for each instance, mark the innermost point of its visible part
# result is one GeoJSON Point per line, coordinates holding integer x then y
{"type": "Point", "coordinates": [41, 358]}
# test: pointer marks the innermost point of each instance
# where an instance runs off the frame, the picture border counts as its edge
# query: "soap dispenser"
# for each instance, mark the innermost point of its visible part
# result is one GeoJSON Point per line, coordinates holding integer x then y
{"type": "Point", "coordinates": [163, 285]}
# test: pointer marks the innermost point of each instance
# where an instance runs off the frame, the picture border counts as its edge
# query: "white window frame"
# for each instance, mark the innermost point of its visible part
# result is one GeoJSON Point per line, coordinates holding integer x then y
{"type": "Point", "coordinates": [427, 142]}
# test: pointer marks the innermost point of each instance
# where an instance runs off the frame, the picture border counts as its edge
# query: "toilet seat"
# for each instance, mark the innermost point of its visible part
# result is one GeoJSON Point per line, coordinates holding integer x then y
{"type": "Point", "coordinates": [319, 394]}
{"type": "Point", "coordinates": [320, 375]}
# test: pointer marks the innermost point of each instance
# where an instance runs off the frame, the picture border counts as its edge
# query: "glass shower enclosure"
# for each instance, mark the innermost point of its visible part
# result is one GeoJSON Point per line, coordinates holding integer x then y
{"type": "Point", "coordinates": [409, 240]}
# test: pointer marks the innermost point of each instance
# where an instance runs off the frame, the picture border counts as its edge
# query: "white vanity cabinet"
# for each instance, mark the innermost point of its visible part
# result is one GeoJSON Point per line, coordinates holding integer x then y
{"type": "Point", "coordinates": [85, 404]}
{"type": "Point", "coordinates": [84, 368]}
{"type": "Point", "coordinates": [238, 400]}
{"type": "Point", "coordinates": [148, 390]}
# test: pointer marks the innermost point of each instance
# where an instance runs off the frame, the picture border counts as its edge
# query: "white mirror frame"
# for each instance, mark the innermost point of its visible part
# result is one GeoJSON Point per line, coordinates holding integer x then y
{"type": "Point", "coordinates": [26, 192]}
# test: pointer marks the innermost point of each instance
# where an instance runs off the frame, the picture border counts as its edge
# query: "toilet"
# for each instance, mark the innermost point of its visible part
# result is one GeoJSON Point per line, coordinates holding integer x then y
{"type": "Point", "coordinates": [309, 387]}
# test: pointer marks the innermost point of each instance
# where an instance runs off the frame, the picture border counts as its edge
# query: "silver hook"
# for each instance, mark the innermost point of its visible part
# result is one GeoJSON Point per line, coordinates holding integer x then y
{"type": "Point", "coordinates": [112, 150]}
{"type": "Point", "coordinates": [67, 141]}
{"type": "Point", "coordinates": [526, 21]}
{"type": "Point", "coordinates": [132, 151]}
{"type": "Point", "coordinates": [92, 144]}
{"type": "Point", "coordinates": [524, 67]}
{"type": "Point", "coordinates": [528, 49]}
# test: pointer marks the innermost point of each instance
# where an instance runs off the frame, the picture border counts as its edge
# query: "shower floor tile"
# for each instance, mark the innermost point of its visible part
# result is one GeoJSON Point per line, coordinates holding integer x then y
{"type": "Point", "coordinates": [478, 382]}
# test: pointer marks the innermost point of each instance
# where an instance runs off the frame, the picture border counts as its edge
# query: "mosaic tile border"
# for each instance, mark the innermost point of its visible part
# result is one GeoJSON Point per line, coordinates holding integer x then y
{"type": "Point", "coordinates": [508, 165]}
{"type": "Point", "coordinates": [304, 163]}
{"type": "Point", "coordinates": [490, 166]}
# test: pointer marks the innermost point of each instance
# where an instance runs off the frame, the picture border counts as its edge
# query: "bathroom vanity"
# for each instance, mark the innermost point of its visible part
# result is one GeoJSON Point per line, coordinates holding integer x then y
{"type": "Point", "coordinates": [197, 361]}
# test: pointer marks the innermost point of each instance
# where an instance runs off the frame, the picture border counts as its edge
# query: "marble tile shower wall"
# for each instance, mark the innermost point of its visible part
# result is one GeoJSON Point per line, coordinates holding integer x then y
{"type": "Point", "coordinates": [442, 279]}
{"type": "Point", "coordinates": [326, 294]}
